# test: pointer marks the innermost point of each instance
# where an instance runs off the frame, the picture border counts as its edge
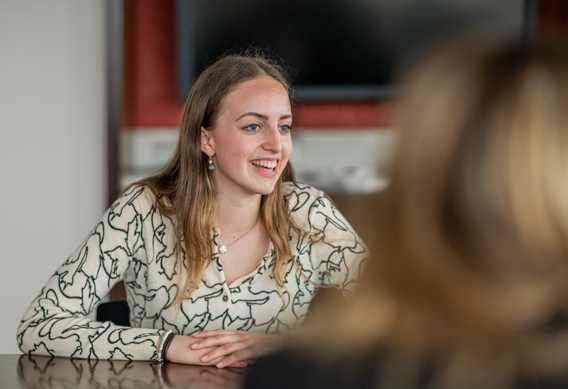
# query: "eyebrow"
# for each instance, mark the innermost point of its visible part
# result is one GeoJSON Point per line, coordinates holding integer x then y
{"type": "Point", "coordinates": [264, 117]}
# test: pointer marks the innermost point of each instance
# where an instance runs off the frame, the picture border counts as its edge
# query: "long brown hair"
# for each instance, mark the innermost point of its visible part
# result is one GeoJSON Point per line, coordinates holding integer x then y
{"type": "Point", "coordinates": [472, 248]}
{"type": "Point", "coordinates": [185, 190]}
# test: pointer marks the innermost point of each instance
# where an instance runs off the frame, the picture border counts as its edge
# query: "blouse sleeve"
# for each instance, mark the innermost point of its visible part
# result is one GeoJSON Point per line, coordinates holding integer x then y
{"type": "Point", "coordinates": [335, 252]}
{"type": "Point", "coordinates": [56, 322]}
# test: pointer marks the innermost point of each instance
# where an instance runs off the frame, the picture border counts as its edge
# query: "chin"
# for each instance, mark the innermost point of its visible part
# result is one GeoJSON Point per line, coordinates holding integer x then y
{"type": "Point", "coordinates": [266, 189]}
{"type": "Point", "coordinates": [266, 192]}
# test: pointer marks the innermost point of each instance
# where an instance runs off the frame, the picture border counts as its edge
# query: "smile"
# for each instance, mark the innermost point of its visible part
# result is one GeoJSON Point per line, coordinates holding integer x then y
{"type": "Point", "coordinates": [265, 165]}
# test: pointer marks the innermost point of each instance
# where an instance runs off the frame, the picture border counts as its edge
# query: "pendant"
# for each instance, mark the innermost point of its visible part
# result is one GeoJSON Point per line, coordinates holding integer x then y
{"type": "Point", "coordinates": [223, 249]}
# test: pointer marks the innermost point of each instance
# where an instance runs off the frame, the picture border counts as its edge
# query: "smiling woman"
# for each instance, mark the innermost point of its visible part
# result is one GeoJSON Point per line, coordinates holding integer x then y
{"type": "Point", "coordinates": [251, 140]}
{"type": "Point", "coordinates": [220, 251]}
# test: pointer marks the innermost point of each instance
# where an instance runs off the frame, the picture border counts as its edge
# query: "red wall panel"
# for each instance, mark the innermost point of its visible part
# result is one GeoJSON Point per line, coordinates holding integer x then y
{"type": "Point", "coordinates": [553, 19]}
{"type": "Point", "coordinates": [150, 97]}
{"type": "Point", "coordinates": [150, 78]}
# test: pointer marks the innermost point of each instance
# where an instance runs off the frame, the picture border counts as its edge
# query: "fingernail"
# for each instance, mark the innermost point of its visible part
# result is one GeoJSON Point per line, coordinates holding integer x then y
{"type": "Point", "coordinates": [193, 346]}
{"type": "Point", "coordinates": [220, 364]}
{"type": "Point", "coordinates": [204, 358]}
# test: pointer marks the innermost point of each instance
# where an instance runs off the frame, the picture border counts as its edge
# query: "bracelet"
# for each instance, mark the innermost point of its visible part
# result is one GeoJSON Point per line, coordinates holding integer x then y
{"type": "Point", "coordinates": [167, 346]}
{"type": "Point", "coordinates": [166, 337]}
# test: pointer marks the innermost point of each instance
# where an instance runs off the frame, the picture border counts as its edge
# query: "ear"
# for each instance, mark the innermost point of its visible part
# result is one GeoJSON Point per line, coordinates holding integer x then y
{"type": "Point", "coordinates": [207, 142]}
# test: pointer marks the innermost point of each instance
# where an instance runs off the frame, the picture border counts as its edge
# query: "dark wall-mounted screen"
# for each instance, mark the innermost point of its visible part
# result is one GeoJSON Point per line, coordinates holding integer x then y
{"type": "Point", "coordinates": [337, 49]}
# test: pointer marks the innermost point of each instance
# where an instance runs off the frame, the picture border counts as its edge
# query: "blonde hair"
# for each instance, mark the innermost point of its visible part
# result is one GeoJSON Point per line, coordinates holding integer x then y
{"type": "Point", "coordinates": [185, 190]}
{"type": "Point", "coordinates": [471, 254]}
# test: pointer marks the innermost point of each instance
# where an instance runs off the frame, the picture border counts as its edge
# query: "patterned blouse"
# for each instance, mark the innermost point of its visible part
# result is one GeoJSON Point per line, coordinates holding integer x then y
{"type": "Point", "coordinates": [134, 242]}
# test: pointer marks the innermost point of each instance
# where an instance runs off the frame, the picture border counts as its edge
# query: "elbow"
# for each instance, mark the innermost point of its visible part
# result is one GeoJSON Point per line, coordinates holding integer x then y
{"type": "Point", "coordinates": [29, 342]}
{"type": "Point", "coordinates": [21, 338]}
{"type": "Point", "coordinates": [28, 338]}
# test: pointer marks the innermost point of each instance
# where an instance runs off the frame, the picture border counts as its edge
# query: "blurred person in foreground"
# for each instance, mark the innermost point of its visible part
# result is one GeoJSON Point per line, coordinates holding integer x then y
{"type": "Point", "coordinates": [469, 289]}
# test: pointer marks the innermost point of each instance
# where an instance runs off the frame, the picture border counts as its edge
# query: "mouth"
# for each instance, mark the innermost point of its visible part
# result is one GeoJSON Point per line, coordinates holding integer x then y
{"type": "Point", "coordinates": [265, 165]}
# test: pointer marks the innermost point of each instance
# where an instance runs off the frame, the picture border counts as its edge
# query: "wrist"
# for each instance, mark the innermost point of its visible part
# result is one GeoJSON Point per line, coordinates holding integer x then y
{"type": "Point", "coordinates": [180, 351]}
{"type": "Point", "coordinates": [167, 347]}
{"type": "Point", "coordinates": [163, 342]}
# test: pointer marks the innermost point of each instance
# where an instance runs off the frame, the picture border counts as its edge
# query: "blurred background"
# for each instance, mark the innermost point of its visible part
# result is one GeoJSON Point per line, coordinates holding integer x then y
{"type": "Point", "coordinates": [342, 56]}
{"type": "Point", "coordinates": [91, 95]}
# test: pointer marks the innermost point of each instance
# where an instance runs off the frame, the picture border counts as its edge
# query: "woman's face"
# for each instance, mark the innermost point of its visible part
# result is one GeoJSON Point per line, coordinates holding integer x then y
{"type": "Point", "coordinates": [251, 141]}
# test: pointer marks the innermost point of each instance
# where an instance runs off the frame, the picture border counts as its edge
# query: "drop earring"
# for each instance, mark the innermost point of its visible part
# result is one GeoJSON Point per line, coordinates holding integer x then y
{"type": "Point", "coordinates": [210, 164]}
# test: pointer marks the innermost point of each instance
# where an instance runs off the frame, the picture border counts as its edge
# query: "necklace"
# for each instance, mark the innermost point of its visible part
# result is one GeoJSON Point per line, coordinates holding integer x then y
{"type": "Point", "coordinates": [224, 248]}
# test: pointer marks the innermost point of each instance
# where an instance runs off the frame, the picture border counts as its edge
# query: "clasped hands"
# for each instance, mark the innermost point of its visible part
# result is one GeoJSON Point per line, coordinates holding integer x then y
{"type": "Point", "coordinates": [221, 348]}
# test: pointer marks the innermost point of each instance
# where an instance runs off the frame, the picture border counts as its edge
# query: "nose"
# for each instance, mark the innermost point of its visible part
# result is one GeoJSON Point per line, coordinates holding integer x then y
{"type": "Point", "coordinates": [273, 140]}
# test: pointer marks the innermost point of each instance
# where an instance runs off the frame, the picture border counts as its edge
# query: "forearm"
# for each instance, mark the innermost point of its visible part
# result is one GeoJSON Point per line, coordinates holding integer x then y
{"type": "Point", "coordinates": [54, 326]}
{"type": "Point", "coordinates": [79, 337]}
{"type": "Point", "coordinates": [57, 322]}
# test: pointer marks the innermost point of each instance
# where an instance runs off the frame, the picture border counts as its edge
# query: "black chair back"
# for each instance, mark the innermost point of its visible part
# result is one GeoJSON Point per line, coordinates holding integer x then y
{"type": "Point", "coordinates": [117, 312]}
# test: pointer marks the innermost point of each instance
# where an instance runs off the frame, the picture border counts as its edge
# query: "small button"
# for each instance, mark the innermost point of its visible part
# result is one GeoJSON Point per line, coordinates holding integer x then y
{"type": "Point", "coordinates": [225, 298]}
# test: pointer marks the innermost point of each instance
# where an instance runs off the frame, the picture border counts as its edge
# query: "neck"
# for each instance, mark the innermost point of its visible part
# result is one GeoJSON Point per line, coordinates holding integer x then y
{"type": "Point", "coordinates": [235, 216]}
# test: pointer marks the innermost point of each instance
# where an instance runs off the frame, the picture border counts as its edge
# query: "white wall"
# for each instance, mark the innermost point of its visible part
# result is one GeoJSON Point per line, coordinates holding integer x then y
{"type": "Point", "coordinates": [52, 142]}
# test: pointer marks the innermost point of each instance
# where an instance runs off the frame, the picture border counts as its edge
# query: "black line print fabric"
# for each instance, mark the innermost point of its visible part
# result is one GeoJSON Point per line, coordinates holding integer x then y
{"type": "Point", "coordinates": [134, 242]}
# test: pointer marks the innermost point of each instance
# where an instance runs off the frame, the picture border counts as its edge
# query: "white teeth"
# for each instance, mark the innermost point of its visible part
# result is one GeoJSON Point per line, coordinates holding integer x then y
{"type": "Point", "coordinates": [266, 164]}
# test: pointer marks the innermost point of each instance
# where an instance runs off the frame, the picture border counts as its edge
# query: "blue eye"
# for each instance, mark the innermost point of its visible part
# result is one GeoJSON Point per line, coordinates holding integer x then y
{"type": "Point", "coordinates": [285, 128]}
{"type": "Point", "coordinates": [252, 127]}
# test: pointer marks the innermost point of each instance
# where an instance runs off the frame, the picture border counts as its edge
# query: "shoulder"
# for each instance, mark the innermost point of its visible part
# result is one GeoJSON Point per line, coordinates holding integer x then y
{"type": "Point", "coordinates": [137, 194]}
{"type": "Point", "coordinates": [302, 196]}
{"type": "Point", "coordinates": [137, 198]}
{"type": "Point", "coordinates": [305, 201]}
{"type": "Point", "coordinates": [313, 212]}
{"type": "Point", "coordinates": [289, 188]}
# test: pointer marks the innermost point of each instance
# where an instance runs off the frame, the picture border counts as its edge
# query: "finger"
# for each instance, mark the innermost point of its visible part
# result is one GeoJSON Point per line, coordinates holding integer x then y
{"type": "Point", "coordinates": [239, 356]}
{"type": "Point", "coordinates": [216, 340]}
{"type": "Point", "coordinates": [206, 334]}
{"type": "Point", "coordinates": [212, 362]}
{"type": "Point", "coordinates": [226, 350]}
{"type": "Point", "coordinates": [239, 365]}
